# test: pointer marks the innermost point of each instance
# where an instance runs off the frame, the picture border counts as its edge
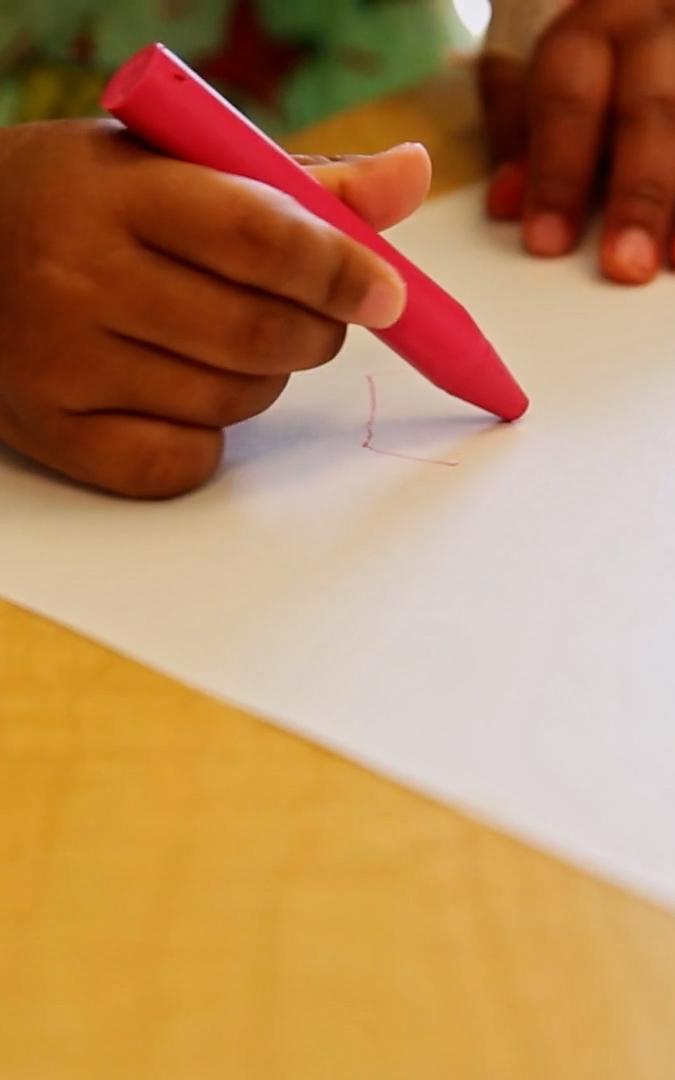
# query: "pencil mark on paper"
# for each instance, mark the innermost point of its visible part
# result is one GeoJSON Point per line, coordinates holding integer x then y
{"type": "Point", "coordinates": [371, 423]}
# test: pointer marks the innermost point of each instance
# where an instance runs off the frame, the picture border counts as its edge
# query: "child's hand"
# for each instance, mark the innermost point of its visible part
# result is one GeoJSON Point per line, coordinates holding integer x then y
{"type": "Point", "coordinates": [145, 304]}
{"type": "Point", "coordinates": [601, 85]}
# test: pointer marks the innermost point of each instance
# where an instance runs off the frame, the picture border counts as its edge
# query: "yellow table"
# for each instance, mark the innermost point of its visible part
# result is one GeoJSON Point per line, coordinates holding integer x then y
{"type": "Point", "coordinates": [188, 894]}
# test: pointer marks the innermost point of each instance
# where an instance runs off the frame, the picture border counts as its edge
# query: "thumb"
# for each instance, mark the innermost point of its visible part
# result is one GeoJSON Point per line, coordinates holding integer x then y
{"type": "Point", "coordinates": [502, 85]}
{"type": "Point", "coordinates": [383, 188]}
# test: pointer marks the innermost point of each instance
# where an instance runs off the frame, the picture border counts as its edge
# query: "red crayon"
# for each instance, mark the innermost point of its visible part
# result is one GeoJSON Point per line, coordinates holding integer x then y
{"type": "Point", "coordinates": [163, 102]}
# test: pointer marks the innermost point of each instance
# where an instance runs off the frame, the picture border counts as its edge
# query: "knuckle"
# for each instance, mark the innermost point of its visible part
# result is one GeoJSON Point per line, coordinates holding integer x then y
{"type": "Point", "coordinates": [344, 283]}
{"type": "Point", "coordinates": [560, 102]}
{"type": "Point", "coordinates": [557, 190]}
{"type": "Point", "coordinates": [647, 194]}
{"type": "Point", "coordinates": [268, 237]}
{"type": "Point", "coordinates": [219, 401]}
{"type": "Point", "coordinates": [656, 109]}
{"type": "Point", "coordinates": [271, 393]}
{"type": "Point", "coordinates": [94, 292]}
{"type": "Point", "coordinates": [269, 334]}
{"type": "Point", "coordinates": [333, 338]}
{"type": "Point", "coordinates": [161, 463]}
{"type": "Point", "coordinates": [316, 341]}
{"type": "Point", "coordinates": [564, 41]}
{"type": "Point", "coordinates": [297, 238]}
{"type": "Point", "coordinates": [298, 247]}
{"type": "Point", "coordinates": [237, 398]}
{"type": "Point", "coordinates": [57, 283]}
{"type": "Point", "coordinates": [283, 338]}
{"type": "Point", "coordinates": [569, 77]}
{"type": "Point", "coordinates": [254, 241]}
{"type": "Point", "coordinates": [260, 397]}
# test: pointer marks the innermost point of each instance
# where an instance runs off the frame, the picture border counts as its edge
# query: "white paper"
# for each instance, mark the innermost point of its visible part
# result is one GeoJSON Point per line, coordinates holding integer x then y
{"type": "Point", "coordinates": [498, 633]}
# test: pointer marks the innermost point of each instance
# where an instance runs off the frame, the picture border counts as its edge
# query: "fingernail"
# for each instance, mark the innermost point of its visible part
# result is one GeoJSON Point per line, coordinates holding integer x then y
{"type": "Point", "coordinates": [633, 256]}
{"type": "Point", "coordinates": [349, 159]}
{"type": "Point", "coordinates": [391, 150]}
{"type": "Point", "coordinates": [548, 235]}
{"type": "Point", "coordinates": [383, 305]}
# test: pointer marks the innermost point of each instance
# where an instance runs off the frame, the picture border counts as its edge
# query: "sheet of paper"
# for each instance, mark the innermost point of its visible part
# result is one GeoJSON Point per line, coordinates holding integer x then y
{"type": "Point", "coordinates": [497, 632]}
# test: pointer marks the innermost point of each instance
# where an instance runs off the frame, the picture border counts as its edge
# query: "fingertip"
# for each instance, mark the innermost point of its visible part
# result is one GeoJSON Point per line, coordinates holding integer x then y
{"type": "Point", "coordinates": [384, 188]}
{"type": "Point", "coordinates": [408, 168]}
{"type": "Point", "coordinates": [630, 256]}
{"type": "Point", "coordinates": [415, 151]}
{"type": "Point", "coordinates": [548, 235]}
{"type": "Point", "coordinates": [383, 304]}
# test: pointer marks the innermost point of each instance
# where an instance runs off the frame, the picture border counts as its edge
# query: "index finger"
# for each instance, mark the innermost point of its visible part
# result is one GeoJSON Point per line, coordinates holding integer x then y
{"type": "Point", "coordinates": [641, 194]}
{"type": "Point", "coordinates": [570, 95]}
{"type": "Point", "coordinates": [244, 231]}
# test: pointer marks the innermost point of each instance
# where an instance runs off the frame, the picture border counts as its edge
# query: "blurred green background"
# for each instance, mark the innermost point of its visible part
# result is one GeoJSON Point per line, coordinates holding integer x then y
{"type": "Point", "coordinates": [287, 63]}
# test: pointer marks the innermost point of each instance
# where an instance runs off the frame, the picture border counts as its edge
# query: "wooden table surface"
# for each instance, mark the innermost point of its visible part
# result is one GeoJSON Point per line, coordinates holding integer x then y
{"type": "Point", "coordinates": [187, 893]}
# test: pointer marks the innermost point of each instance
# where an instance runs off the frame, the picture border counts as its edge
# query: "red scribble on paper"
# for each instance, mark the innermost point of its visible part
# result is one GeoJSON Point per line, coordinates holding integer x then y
{"type": "Point", "coordinates": [369, 440]}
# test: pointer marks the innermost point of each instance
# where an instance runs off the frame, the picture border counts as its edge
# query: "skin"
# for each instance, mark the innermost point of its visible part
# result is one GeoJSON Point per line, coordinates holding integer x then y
{"type": "Point", "coordinates": [592, 115]}
{"type": "Point", "coordinates": [146, 305]}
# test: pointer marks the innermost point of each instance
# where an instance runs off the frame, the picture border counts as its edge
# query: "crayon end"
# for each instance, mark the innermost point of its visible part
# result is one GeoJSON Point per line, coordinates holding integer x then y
{"type": "Point", "coordinates": [495, 388]}
{"type": "Point", "coordinates": [516, 408]}
{"type": "Point", "coordinates": [125, 81]}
